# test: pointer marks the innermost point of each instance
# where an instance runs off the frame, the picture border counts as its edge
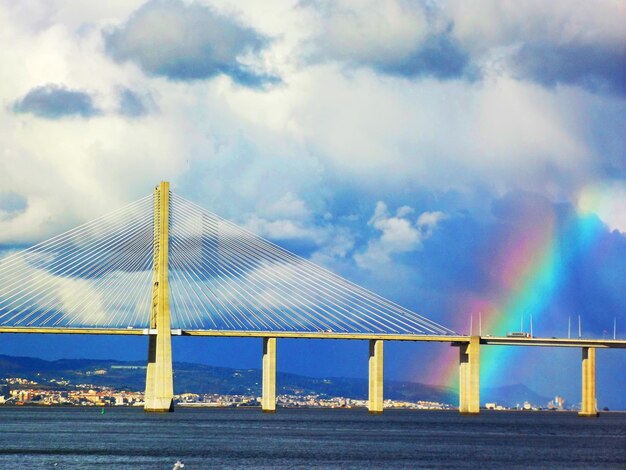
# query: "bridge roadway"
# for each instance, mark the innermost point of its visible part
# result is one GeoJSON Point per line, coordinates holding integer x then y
{"type": "Point", "coordinates": [453, 339]}
{"type": "Point", "coordinates": [469, 357]}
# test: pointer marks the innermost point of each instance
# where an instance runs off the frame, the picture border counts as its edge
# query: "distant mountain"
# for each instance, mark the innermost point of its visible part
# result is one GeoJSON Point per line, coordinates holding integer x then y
{"type": "Point", "coordinates": [200, 378]}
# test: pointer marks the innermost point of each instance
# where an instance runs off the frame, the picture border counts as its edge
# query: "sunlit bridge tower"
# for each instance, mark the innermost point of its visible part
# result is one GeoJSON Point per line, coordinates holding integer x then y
{"type": "Point", "coordinates": [159, 378]}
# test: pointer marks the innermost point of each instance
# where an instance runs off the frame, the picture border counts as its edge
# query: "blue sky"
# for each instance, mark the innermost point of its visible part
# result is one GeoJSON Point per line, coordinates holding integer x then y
{"type": "Point", "coordinates": [410, 146]}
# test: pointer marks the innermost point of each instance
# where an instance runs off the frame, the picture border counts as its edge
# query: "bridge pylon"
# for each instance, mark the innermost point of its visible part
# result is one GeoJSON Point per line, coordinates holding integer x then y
{"type": "Point", "coordinates": [375, 403]}
{"type": "Point", "coordinates": [268, 399]}
{"type": "Point", "coordinates": [588, 406]}
{"type": "Point", "coordinates": [159, 396]}
{"type": "Point", "coordinates": [469, 376]}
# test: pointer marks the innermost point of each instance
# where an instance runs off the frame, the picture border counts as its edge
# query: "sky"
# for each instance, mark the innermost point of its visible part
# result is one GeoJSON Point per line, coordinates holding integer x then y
{"type": "Point", "coordinates": [464, 159]}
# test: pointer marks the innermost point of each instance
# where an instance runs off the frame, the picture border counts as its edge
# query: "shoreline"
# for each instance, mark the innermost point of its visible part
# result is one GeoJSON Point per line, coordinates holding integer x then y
{"type": "Point", "coordinates": [257, 407]}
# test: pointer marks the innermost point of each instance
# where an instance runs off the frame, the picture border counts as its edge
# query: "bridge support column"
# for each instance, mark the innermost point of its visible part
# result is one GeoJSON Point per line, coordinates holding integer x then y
{"type": "Point", "coordinates": [159, 394]}
{"type": "Point", "coordinates": [376, 376]}
{"type": "Point", "coordinates": [588, 406]}
{"type": "Point", "coordinates": [469, 377]}
{"type": "Point", "coordinates": [268, 400]}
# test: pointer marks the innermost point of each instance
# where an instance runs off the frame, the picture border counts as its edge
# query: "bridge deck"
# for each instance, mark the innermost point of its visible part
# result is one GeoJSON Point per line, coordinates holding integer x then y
{"type": "Point", "coordinates": [555, 342]}
{"type": "Point", "coordinates": [455, 339]}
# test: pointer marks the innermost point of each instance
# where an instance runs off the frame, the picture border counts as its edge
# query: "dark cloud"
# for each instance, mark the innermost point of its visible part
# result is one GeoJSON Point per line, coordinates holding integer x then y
{"type": "Point", "coordinates": [597, 68]}
{"type": "Point", "coordinates": [56, 101]}
{"type": "Point", "coordinates": [439, 56]}
{"type": "Point", "coordinates": [451, 258]}
{"type": "Point", "coordinates": [436, 53]}
{"type": "Point", "coordinates": [133, 104]}
{"type": "Point", "coordinates": [448, 46]}
{"type": "Point", "coordinates": [187, 42]}
{"type": "Point", "coordinates": [521, 207]}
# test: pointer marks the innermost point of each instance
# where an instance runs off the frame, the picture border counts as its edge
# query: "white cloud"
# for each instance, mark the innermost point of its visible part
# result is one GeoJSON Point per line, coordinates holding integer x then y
{"type": "Point", "coordinates": [428, 221]}
{"type": "Point", "coordinates": [382, 32]}
{"type": "Point", "coordinates": [398, 234]}
{"type": "Point", "coordinates": [404, 211]}
{"type": "Point", "coordinates": [281, 229]}
{"type": "Point", "coordinates": [607, 201]}
{"type": "Point", "coordinates": [287, 218]}
{"type": "Point", "coordinates": [443, 135]}
{"type": "Point", "coordinates": [239, 151]}
{"type": "Point", "coordinates": [486, 23]}
{"type": "Point", "coordinates": [37, 15]}
{"type": "Point", "coordinates": [289, 206]}
{"type": "Point", "coordinates": [43, 298]}
{"type": "Point", "coordinates": [71, 171]}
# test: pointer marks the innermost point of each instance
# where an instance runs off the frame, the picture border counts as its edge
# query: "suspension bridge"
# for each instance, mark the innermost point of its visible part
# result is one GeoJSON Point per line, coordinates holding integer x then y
{"type": "Point", "coordinates": [164, 266]}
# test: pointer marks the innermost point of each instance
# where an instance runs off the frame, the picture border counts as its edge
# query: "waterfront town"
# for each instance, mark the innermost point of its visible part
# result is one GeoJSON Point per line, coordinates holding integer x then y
{"type": "Point", "coordinates": [16, 391]}
{"type": "Point", "coordinates": [20, 391]}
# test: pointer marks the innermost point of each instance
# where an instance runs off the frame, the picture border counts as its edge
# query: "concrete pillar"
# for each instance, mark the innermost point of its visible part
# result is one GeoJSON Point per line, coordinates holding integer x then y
{"type": "Point", "coordinates": [376, 376]}
{"type": "Point", "coordinates": [588, 406]}
{"type": "Point", "coordinates": [268, 400]}
{"type": "Point", "coordinates": [159, 394]}
{"type": "Point", "coordinates": [469, 376]}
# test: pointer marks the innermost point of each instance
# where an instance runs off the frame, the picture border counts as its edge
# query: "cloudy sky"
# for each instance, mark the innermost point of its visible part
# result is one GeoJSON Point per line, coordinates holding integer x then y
{"type": "Point", "coordinates": [456, 157]}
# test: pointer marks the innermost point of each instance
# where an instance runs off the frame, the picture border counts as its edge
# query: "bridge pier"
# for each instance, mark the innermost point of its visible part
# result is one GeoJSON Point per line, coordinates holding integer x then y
{"type": "Point", "coordinates": [376, 376]}
{"type": "Point", "coordinates": [159, 394]}
{"type": "Point", "coordinates": [588, 406]}
{"type": "Point", "coordinates": [268, 399]}
{"type": "Point", "coordinates": [469, 376]}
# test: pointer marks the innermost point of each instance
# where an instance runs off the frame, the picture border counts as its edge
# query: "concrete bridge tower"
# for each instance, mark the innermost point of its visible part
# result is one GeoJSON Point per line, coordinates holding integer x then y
{"type": "Point", "coordinates": [159, 377]}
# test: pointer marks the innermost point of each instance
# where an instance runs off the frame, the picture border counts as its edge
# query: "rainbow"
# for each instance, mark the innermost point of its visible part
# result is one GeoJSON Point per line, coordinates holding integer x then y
{"type": "Point", "coordinates": [530, 267]}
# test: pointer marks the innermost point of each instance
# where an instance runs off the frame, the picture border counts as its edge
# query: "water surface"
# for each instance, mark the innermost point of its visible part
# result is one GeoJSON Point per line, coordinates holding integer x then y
{"type": "Point", "coordinates": [33, 437]}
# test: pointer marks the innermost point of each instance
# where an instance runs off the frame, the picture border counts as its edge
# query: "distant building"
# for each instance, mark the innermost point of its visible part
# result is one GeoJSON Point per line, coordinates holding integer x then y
{"type": "Point", "coordinates": [494, 406]}
{"type": "Point", "coordinates": [557, 404]}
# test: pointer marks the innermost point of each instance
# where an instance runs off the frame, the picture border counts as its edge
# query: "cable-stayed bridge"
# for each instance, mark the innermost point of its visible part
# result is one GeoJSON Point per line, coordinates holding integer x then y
{"type": "Point", "coordinates": [163, 265]}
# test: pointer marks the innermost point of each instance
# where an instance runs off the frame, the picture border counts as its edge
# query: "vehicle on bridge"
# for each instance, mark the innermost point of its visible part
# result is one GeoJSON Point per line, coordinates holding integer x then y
{"type": "Point", "coordinates": [518, 334]}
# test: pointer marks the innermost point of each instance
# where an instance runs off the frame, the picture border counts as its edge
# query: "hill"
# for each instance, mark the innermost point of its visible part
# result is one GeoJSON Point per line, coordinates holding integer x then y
{"type": "Point", "coordinates": [201, 378]}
